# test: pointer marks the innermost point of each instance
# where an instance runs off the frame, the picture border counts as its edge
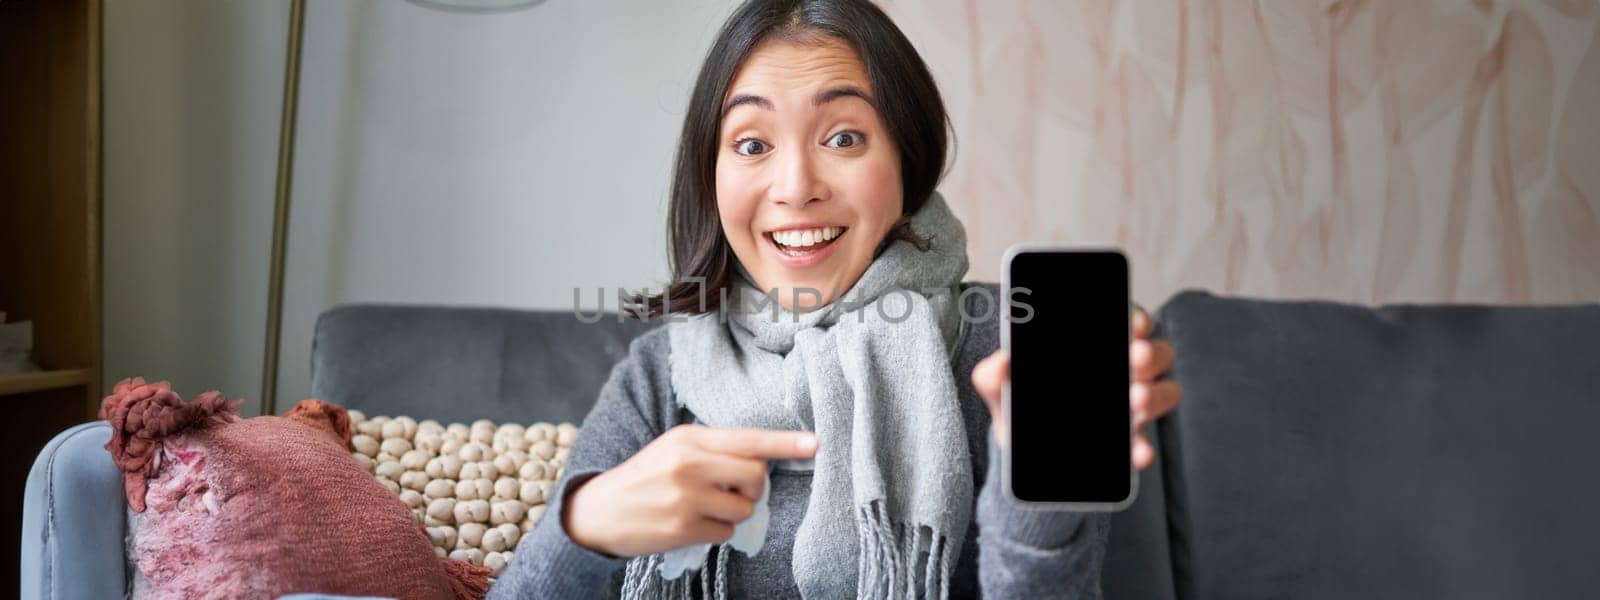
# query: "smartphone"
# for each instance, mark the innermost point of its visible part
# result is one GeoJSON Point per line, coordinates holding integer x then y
{"type": "Point", "coordinates": [1067, 322]}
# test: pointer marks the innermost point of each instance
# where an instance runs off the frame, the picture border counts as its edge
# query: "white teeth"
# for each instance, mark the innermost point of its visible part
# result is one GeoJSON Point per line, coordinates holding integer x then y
{"type": "Point", "coordinates": [800, 238]}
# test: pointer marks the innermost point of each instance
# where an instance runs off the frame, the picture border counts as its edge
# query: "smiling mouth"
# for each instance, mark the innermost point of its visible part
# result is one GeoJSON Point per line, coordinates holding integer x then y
{"type": "Point", "coordinates": [803, 242]}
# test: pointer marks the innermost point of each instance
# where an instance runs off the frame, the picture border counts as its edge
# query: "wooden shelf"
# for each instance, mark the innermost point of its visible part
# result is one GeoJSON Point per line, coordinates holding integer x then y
{"type": "Point", "coordinates": [50, 259]}
{"type": "Point", "coordinates": [18, 383]}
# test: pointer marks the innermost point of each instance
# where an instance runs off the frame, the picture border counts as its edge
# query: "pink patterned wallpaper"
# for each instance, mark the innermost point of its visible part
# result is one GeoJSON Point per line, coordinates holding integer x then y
{"type": "Point", "coordinates": [1360, 150]}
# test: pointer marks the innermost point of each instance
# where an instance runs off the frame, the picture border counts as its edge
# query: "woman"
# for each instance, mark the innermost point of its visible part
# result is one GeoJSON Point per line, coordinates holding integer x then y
{"type": "Point", "coordinates": [813, 142]}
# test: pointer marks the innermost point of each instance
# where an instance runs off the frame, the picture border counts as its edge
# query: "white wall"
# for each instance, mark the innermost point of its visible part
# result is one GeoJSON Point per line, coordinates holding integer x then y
{"type": "Point", "coordinates": [483, 159]}
{"type": "Point", "coordinates": [192, 94]}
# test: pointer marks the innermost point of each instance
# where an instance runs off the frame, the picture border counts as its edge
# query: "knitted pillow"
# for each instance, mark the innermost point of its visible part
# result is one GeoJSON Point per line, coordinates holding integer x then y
{"type": "Point", "coordinates": [226, 507]}
{"type": "Point", "coordinates": [478, 489]}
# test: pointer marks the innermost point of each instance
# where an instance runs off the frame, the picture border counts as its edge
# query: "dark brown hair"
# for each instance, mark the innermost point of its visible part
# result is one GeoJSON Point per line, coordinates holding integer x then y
{"type": "Point", "coordinates": [903, 94]}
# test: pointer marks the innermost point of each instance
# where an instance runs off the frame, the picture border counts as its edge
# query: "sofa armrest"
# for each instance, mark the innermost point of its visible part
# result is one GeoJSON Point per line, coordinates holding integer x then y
{"type": "Point", "coordinates": [74, 519]}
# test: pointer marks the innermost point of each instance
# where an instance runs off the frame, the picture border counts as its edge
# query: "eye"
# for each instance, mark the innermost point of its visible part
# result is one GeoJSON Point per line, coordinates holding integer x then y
{"type": "Point", "coordinates": [846, 139]}
{"type": "Point", "coordinates": [750, 146]}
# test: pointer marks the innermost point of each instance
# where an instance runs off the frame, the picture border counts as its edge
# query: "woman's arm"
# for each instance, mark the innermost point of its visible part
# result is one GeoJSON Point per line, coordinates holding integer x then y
{"type": "Point", "coordinates": [639, 483]}
{"type": "Point", "coordinates": [626, 416]}
{"type": "Point", "coordinates": [1024, 552]}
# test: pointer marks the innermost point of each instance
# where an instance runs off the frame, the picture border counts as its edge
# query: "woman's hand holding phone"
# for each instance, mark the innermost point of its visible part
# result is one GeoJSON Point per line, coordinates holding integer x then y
{"type": "Point", "coordinates": [688, 486]}
{"type": "Point", "coordinates": [1149, 397]}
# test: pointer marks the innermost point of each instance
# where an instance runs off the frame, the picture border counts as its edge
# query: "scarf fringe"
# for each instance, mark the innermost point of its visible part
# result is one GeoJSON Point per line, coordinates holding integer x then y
{"type": "Point", "coordinates": [642, 580]}
{"type": "Point", "coordinates": [891, 563]}
{"type": "Point", "coordinates": [900, 560]}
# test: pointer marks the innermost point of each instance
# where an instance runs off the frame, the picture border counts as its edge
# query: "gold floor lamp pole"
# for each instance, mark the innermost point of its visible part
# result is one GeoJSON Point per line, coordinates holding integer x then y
{"type": "Point", "coordinates": [280, 213]}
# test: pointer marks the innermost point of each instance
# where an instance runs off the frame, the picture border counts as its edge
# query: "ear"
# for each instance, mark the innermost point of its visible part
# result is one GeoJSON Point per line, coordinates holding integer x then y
{"type": "Point", "coordinates": [142, 415]}
{"type": "Point", "coordinates": [331, 417]}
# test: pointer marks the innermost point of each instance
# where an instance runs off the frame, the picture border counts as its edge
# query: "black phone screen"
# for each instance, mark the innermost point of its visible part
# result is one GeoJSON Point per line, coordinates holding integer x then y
{"type": "Point", "coordinates": [1069, 420]}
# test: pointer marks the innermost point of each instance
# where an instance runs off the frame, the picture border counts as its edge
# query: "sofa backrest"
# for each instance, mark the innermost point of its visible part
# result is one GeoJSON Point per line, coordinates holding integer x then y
{"type": "Point", "coordinates": [457, 364]}
{"type": "Point", "coordinates": [1334, 451]}
{"type": "Point", "coordinates": [1322, 450]}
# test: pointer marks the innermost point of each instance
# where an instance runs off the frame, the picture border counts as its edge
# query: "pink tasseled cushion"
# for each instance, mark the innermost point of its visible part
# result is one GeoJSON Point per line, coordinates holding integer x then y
{"type": "Point", "coordinates": [256, 508]}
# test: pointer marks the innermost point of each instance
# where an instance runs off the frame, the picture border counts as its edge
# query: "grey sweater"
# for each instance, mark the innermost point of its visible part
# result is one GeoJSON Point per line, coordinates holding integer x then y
{"type": "Point", "coordinates": [1011, 551]}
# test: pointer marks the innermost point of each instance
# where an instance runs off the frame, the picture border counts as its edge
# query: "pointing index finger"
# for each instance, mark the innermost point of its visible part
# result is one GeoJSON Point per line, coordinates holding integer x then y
{"type": "Point", "coordinates": [759, 443]}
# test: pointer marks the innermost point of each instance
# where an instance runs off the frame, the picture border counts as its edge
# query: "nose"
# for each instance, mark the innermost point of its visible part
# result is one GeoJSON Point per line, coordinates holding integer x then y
{"type": "Point", "coordinates": [795, 181]}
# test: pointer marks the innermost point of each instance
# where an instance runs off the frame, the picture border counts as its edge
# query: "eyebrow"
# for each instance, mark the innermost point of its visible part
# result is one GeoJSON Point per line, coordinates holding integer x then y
{"type": "Point", "coordinates": [823, 97]}
{"type": "Point", "coordinates": [846, 91]}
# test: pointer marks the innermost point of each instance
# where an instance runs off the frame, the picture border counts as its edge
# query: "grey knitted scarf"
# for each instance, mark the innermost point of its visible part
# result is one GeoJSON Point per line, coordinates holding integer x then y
{"type": "Point", "coordinates": [891, 489]}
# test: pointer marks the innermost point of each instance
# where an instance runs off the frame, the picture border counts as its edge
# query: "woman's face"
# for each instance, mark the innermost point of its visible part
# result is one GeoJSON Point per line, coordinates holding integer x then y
{"type": "Point", "coordinates": [808, 181]}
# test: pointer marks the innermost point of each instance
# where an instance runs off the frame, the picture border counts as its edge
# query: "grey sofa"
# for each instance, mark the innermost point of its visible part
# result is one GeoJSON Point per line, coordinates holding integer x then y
{"type": "Point", "coordinates": [1322, 450]}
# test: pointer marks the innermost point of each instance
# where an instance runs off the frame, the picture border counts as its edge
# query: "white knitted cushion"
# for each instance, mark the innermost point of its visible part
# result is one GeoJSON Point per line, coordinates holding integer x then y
{"type": "Point", "coordinates": [477, 489]}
